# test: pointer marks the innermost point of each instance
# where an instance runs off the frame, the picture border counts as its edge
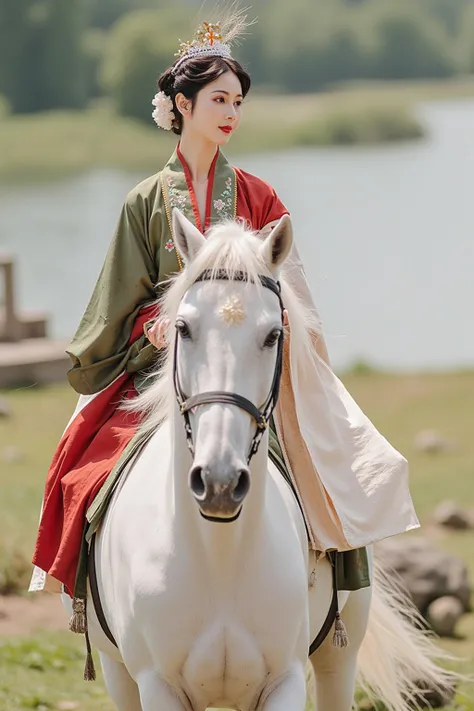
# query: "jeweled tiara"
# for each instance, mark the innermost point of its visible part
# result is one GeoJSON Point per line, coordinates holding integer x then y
{"type": "Point", "coordinates": [207, 42]}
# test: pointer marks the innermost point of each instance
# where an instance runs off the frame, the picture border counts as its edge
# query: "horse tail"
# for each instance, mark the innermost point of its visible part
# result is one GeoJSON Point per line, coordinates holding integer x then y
{"type": "Point", "coordinates": [398, 657]}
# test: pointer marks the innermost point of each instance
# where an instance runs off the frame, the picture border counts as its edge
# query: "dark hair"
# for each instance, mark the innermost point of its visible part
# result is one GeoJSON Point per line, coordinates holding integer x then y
{"type": "Point", "coordinates": [192, 75]}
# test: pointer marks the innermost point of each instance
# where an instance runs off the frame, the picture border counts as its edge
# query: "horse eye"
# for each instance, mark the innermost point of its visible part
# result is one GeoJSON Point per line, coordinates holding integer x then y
{"type": "Point", "coordinates": [183, 329]}
{"type": "Point", "coordinates": [272, 338]}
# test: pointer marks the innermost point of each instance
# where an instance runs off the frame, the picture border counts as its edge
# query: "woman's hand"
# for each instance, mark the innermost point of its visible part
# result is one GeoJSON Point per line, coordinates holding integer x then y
{"type": "Point", "coordinates": [156, 334]}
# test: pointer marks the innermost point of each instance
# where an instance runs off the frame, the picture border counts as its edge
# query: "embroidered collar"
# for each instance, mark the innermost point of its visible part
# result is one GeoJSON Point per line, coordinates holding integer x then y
{"type": "Point", "coordinates": [178, 191]}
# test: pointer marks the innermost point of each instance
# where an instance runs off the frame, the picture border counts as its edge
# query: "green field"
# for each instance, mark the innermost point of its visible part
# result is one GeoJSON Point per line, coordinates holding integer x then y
{"type": "Point", "coordinates": [45, 145]}
{"type": "Point", "coordinates": [44, 671]}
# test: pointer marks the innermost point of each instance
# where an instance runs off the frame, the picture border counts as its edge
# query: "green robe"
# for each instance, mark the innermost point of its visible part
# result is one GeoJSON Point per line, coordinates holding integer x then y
{"type": "Point", "coordinates": [140, 259]}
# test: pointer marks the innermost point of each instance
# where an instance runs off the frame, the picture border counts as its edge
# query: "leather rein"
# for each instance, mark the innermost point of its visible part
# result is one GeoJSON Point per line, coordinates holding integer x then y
{"type": "Point", "coordinates": [262, 414]}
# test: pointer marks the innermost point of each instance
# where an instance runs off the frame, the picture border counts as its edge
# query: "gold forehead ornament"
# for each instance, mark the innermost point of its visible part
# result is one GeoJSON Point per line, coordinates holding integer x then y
{"type": "Point", "coordinates": [232, 312]}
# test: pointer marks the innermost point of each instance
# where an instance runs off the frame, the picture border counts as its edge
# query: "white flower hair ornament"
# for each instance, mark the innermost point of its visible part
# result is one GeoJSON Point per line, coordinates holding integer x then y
{"type": "Point", "coordinates": [163, 114]}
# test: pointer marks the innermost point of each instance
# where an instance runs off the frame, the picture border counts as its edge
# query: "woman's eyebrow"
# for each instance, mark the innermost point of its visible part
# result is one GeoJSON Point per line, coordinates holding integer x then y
{"type": "Point", "coordinates": [222, 91]}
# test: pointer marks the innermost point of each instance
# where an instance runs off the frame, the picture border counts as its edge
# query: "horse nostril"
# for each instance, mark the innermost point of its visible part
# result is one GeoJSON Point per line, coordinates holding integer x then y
{"type": "Point", "coordinates": [197, 483]}
{"type": "Point", "coordinates": [241, 489]}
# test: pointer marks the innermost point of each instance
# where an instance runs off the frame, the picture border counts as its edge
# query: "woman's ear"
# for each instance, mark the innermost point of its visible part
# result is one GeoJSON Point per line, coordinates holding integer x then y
{"type": "Point", "coordinates": [183, 104]}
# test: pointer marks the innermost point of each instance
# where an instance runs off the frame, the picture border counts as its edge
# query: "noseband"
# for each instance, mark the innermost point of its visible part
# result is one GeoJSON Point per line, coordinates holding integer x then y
{"type": "Point", "coordinates": [260, 415]}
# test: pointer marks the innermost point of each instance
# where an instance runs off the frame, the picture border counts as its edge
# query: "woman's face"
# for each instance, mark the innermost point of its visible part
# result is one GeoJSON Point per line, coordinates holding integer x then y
{"type": "Point", "coordinates": [217, 110]}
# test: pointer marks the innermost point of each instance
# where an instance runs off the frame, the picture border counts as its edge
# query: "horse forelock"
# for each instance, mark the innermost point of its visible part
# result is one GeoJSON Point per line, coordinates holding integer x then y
{"type": "Point", "coordinates": [232, 247]}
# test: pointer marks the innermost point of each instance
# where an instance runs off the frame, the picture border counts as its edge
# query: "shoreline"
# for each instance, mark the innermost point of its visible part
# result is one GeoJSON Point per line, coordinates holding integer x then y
{"type": "Point", "coordinates": [55, 144]}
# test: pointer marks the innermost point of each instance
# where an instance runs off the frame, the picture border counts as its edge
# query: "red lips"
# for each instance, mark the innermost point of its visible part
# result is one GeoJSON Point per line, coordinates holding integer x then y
{"type": "Point", "coordinates": [226, 129]}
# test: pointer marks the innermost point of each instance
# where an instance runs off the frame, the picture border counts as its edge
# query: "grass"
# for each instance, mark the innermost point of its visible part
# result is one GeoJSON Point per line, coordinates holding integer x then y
{"type": "Point", "coordinates": [44, 671]}
{"type": "Point", "coordinates": [61, 142]}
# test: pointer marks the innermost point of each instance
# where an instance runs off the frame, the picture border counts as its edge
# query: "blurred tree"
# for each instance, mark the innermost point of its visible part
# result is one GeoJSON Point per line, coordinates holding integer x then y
{"type": "Point", "coordinates": [251, 53]}
{"type": "Point", "coordinates": [50, 50]}
{"type": "Point", "coordinates": [448, 12]}
{"type": "Point", "coordinates": [140, 46]}
{"type": "Point", "coordinates": [466, 40]}
{"type": "Point", "coordinates": [41, 60]}
{"type": "Point", "coordinates": [16, 59]}
{"type": "Point", "coordinates": [4, 107]}
{"type": "Point", "coordinates": [310, 45]}
{"type": "Point", "coordinates": [93, 46]}
{"type": "Point", "coordinates": [61, 67]}
{"type": "Point", "coordinates": [104, 13]}
{"type": "Point", "coordinates": [408, 43]}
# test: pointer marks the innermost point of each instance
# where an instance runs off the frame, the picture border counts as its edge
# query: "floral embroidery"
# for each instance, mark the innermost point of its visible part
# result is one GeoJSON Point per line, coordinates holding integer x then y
{"type": "Point", "coordinates": [169, 246]}
{"type": "Point", "coordinates": [223, 205]}
{"type": "Point", "coordinates": [177, 199]}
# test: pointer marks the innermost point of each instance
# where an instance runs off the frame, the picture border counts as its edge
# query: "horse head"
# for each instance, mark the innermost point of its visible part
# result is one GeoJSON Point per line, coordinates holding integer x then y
{"type": "Point", "coordinates": [227, 355]}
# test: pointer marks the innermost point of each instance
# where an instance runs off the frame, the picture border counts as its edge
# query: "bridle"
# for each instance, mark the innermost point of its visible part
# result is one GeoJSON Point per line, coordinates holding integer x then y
{"type": "Point", "coordinates": [260, 415]}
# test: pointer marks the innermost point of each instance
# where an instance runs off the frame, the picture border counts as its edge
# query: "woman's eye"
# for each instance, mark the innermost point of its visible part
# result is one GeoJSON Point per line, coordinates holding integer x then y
{"type": "Point", "coordinates": [183, 329]}
{"type": "Point", "coordinates": [272, 338]}
{"type": "Point", "coordinates": [221, 100]}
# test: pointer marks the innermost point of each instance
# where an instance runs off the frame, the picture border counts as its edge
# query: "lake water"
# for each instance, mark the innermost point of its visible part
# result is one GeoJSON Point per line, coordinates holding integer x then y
{"type": "Point", "coordinates": [386, 235]}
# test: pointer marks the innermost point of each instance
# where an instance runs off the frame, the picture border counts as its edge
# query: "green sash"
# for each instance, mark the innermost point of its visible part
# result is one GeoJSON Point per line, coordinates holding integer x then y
{"type": "Point", "coordinates": [177, 191]}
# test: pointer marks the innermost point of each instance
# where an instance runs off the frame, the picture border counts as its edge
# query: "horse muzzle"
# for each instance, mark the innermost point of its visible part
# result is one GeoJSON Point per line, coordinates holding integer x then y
{"type": "Point", "coordinates": [219, 497]}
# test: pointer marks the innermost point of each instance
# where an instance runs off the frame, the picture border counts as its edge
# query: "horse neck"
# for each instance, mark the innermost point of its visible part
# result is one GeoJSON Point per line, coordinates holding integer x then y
{"type": "Point", "coordinates": [222, 544]}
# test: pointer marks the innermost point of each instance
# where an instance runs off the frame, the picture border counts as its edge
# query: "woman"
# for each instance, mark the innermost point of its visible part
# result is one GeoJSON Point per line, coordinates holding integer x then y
{"type": "Point", "coordinates": [347, 475]}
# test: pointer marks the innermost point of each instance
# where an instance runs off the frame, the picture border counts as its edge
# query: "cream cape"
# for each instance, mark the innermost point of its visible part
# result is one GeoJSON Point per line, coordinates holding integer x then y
{"type": "Point", "coordinates": [352, 483]}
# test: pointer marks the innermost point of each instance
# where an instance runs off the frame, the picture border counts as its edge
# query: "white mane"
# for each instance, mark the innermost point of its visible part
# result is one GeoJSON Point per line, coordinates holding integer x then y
{"type": "Point", "coordinates": [234, 248]}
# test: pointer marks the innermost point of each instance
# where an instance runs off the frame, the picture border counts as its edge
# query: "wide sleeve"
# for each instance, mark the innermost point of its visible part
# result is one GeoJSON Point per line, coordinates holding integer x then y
{"type": "Point", "coordinates": [272, 210]}
{"type": "Point", "coordinates": [257, 202]}
{"type": "Point", "coordinates": [294, 272]}
{"type": "Point", "coordinates": [100, 350]}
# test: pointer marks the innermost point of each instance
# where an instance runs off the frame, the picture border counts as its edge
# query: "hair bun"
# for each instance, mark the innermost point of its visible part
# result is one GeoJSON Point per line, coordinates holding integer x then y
{"type": "Point", "coordinates": [166, 81]}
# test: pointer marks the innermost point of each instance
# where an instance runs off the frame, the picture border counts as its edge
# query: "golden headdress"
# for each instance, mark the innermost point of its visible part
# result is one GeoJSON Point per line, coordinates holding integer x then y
{"type": "Point", "coordinates": [215, 38]}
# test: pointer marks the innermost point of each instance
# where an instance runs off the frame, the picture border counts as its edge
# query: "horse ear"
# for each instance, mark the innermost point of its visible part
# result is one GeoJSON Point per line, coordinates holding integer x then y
{"type": "Point", "coordinates": [277, 245]}
{"type": "Point", "coordinates": [187, 237]}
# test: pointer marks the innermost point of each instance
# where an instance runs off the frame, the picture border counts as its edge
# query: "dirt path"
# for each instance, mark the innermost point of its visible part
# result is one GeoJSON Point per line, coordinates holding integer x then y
{"type": "Point", "coordinates": [22, 616]}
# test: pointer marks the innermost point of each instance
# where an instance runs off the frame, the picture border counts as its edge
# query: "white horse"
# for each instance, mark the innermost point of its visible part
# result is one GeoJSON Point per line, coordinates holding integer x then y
{"type": "Point", "coordinates": [203, 565]}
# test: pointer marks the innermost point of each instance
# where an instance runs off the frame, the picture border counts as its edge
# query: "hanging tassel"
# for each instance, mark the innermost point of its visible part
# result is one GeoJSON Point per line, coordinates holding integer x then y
{"type": "Point", "coordinates": [340, 638]}
{"type": "Point", "coordinates": [78, 621]}
{"type": "Point", "coordinates": [78, 624]}
{"type": "Point", "coordinates": [89, 669]}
